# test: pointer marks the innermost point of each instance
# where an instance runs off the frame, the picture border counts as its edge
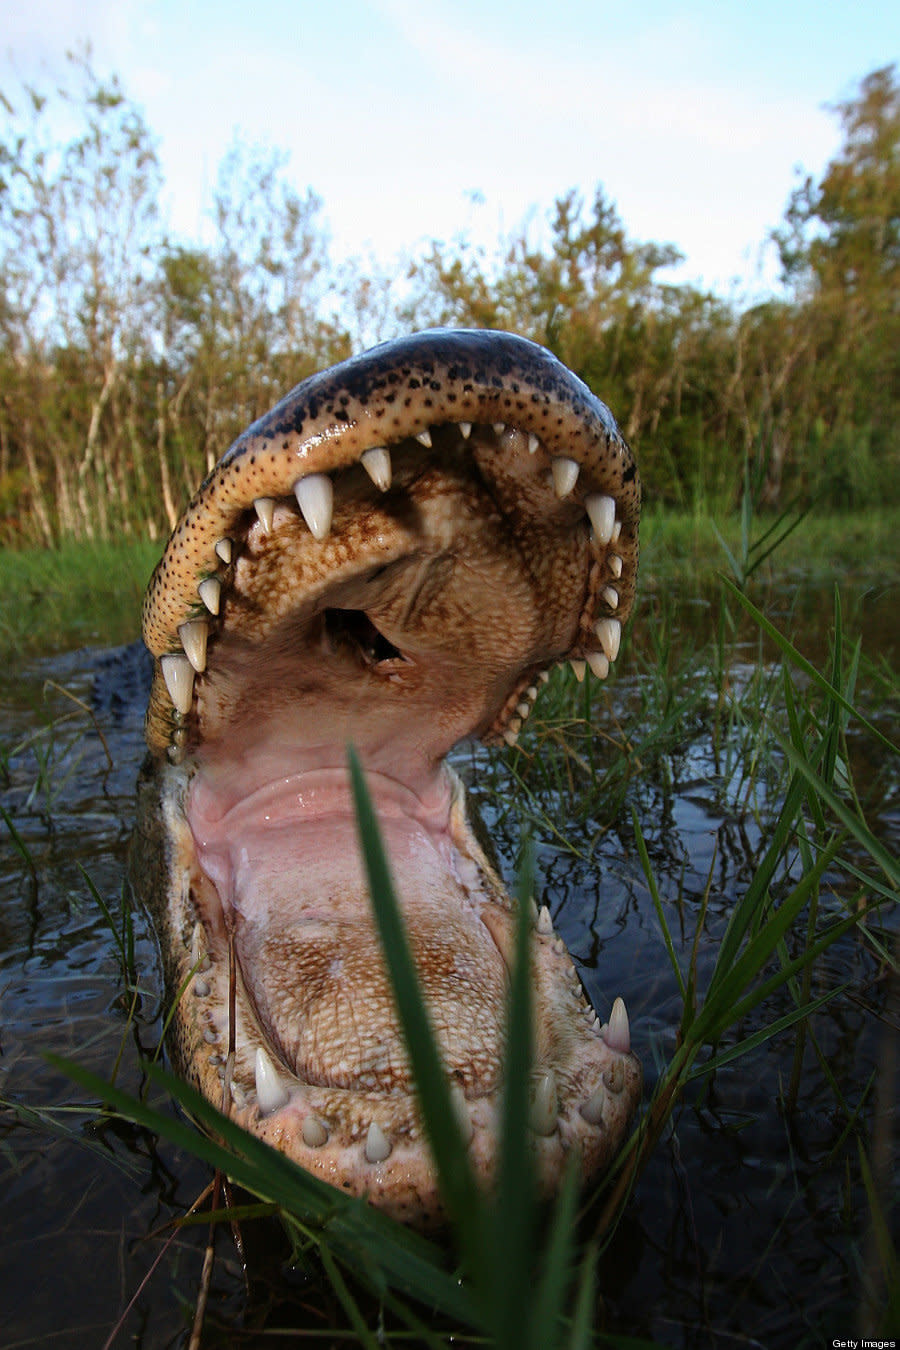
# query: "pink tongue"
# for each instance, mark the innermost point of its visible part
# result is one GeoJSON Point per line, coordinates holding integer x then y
{"type": "Point", "coordinates": [286, 862]}
{"type": "Point", "coordinates": [292, 845]}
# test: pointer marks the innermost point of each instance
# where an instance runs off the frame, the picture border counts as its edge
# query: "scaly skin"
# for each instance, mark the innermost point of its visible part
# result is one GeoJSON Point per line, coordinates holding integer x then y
{"type": "Point", "coordinates": [393, 556]}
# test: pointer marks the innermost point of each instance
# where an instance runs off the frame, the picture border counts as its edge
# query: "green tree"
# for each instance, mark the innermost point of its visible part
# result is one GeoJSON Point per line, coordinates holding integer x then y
{"type": "Point", "coordinates": [840, 253]}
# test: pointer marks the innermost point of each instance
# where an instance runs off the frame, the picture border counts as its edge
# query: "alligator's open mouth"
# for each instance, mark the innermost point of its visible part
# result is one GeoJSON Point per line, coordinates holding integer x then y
{"type": "Point", "coordinates": [392, 557]}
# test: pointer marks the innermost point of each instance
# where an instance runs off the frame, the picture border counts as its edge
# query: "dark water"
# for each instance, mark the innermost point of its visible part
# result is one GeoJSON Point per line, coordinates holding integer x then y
{"type": "Point", "coordinates": [749, 1227]}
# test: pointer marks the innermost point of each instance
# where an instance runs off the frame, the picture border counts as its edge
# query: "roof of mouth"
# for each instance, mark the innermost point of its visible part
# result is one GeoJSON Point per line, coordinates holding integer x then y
{"type": "Point", "coordinates": [354, 414]}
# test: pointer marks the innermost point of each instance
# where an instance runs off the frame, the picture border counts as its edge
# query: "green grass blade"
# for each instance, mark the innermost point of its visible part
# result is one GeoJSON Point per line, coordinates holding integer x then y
{"type": "Point", "coordinates": [806, 666]}
{"type": "Point", "coordinates": [515, 1209]}
{"type": "Point", "coordinates": [362, 1238]}
{"type": "Point", "coordinates": [458, 1185]}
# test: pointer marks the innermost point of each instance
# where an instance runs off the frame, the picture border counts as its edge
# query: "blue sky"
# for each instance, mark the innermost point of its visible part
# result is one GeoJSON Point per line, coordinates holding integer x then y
{"type": "Point", "coordinates": [415, 119]}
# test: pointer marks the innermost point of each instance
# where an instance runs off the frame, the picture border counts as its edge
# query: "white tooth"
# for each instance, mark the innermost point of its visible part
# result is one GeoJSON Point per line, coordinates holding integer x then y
{"type": "Point", "coordinates": [616, 531]}
{"type": "Point", "coordinates": [532, 691]}
{"type": "Point", "coordinates": [592, 1109]}
{"type": "Point", "coordinates": [523, 709]}
{"type": "Point", "coordinates": [199, 960]}
{"type": "Point", "coordinates": [533, 443]}
{"type": "Point", "coordinates": [377, 464]}
{"type": "Point", "coordinates": [614, 1076]}
{"type": "Point", "coordinates": [545, 922]}
{"type": "Point", "coordinates": [511, 736]}
{"type": "Point", "coordinates": [544, 1104]}
{"type": "Point", "coordinates": [565, 475]}
{"type": "Point", "coordinates": [558, 946]}
{"type": "Point", "coordinates": [615, 565]}
{"type": "Point", "coordinates": [193, 636]}
{"type": "Point", "coordinates": [315, 497]}
{"type": "Point", "coordinates": [499, 428]}
{"type": "Point", "coordinates": [271, 1093]}
{"type": "Point", "coordinates": [466, 429]}
{"type": "Point", "coordinates": [178, 674]}
{"type": "Point", "coordinates": [424, 438]}
{"type": "Point", "coordinates": [223, 550]}
{"type": "Point", "coordinates": [611, 596]}
{"type": "Point", "coordinates": [315, 1133]}
{"type": "Point", "coordinates": [543, 676]}
{"type": "Point", "coordinates": [210, 592]}
{"type": "Point", "coordinates": [602, 513]}
{"type": "Point", "coordinates": [265, 510]}
{"type": "Point", "coordinates": [599, 664]}
{"type": "Point", "coordinates": [378, 1146]}
{"type": "Point", "coordinates": [461, 1111]}
{"type": "Point", "coordinates": [609, 631]}
{"type": "Point", "coordinates": [201, 987]}
{"type": "Point", "coordinates": [578, 668]}
{"type": "Point", "coordinates": [618, 1037]}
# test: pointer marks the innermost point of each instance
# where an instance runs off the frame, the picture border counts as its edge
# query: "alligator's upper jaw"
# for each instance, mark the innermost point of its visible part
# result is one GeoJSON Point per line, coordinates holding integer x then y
{"type": "Point", "coordinates": [392, 557]}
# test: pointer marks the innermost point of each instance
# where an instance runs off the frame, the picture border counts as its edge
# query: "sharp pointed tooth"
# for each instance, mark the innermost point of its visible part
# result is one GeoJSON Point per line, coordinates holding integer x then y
{"type": "Point", "coordinates": [614, 1076]}
{"type": "Point", "coordinates": [378, 1146]}
{"type": "Point", "coordinates": [424, 438]}
{"type": "Point", "coordinates": [533, 443]}
{"type": "Point", "coordinates": [377, 464]}
{"type": "Point", "coordinates": [611, 596]}
{"type": "Point", "coordinates": [545, 922]}
{"type": "Point", "coordinates": [616, 531]}
{"type": "Point", "coordinates": [544, 1107]}
{"type": "Point", "coordinates": [193, 636]}
{"type": "Point", "coordinates": [315, 1132]}
{"type": "Point", "coordinates": [599, 664]}
{"type": "Point", "coordinates": [178, 674]}
{"type": "Point", "coordinates": [315, 497]}
{"type": "Point", "coordinates": [609, 631]}
{"type": "Point", "coordinates": [199, 959]}
{"type": "Point", "coordinates": [499, 428]}
{"type": "Point", "coordinates": [615, 565]}
{"type": "Point", "coordinates": [223, 550]}
{"type": "Point", "coordinates": [210, 592]}
{"type": "Point", "coordinates": [543, 676]}
{"type": "Point", "coordinates": [602, 514]}
{"type": "Point", "coordinates": [565, 475]}
{"type": "Point", "coordinates": [523, 709]}
{"type": "Point", "coordinates": [592, 1109]}
{"type": "Point", "coordinates": [466, 429]}
{"type": "Point", "coordinates": [461, 1111]}
{"type": "Point", "coordinates": [578, 669]}
{"type": "Point", "coordinates": [265, 510]}
{"type": "Point", "coordinates": [271, 1093]}
{"type": "Point", "coordinates": [511, 735]}
{"type": "Point", "coordinates": [618, 1036]}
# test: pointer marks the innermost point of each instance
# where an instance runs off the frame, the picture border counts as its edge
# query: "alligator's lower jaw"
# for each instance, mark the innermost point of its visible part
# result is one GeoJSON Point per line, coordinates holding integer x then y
{"type": "Point", "coordinates": [318, 1068]}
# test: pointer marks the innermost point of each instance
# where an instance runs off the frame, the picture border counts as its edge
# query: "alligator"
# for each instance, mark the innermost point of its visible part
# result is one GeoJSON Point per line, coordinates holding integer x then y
{"type": "Point", "coordinates": [393, 557]}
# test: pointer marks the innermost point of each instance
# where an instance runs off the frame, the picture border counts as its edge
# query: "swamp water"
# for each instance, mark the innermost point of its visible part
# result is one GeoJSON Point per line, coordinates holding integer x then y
{"type": "Point", "coordinates": [750, 1226]}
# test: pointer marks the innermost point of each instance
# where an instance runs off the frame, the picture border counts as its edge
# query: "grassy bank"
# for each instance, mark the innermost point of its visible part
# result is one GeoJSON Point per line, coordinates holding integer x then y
{"type": "Point", "coordinates": [90, 594]}
{"type": "Point", "coordinates": [77, 595]}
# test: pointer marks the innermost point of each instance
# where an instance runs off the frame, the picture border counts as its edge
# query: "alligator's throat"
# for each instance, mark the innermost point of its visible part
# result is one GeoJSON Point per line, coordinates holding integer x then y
{"type": "Point", "coordinates": [393, 558]}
